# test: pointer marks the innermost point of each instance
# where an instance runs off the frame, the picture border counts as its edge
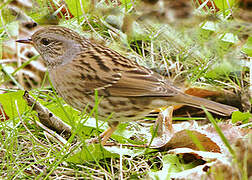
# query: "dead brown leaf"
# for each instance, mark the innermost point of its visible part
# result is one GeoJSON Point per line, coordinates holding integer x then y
{"type": "Point", "coordinates": [193, 136]}
{"type": "Point", "coordinates": [3, 115]}
{"type": "Point", "coordinates": [183, 139]}
{"type": "Point", "coordinates": [61, 7]}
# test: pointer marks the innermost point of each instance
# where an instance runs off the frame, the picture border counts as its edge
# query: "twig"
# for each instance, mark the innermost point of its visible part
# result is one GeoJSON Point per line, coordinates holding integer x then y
{"type": "Point", "coordinates": [47, 118]}
{"type": "Point", "coordinates": [53, 134]}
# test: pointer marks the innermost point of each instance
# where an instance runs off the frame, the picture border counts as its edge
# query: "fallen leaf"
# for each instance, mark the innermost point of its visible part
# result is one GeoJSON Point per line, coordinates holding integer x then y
{"type": "Point", "coordinates": [209, 4]}
{"type": "Point", "coordinates": [184, 138]}
{"type": "Point", "coordinates": [61, 8]}
{"type": "Point", "coordinates": [199, 92]}
{"type": "Point", "coordinates": [231, 132]}
{"type": "Point", "coordinates": [206, 156]}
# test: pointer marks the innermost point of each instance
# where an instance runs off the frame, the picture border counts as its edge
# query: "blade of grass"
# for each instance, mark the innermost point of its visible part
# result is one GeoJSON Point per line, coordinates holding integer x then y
{"type": "Point", "coordinates": [97, 101]}
{"type": "Point", "coordinates": [220, 133]}
{"type": "Point", "coordinates": [24, 64]}
{"type": "Point", "coordinates": [12, 78]}
{"type": "Point", "coordinates": [195, 140]}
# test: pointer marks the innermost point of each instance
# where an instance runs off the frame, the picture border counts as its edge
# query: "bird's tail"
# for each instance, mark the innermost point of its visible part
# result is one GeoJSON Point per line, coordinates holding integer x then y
{"type": "Point", "coordinates": [211, 106]}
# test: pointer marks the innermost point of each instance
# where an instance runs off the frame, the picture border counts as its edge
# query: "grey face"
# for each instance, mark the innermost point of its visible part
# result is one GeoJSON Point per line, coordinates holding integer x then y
{"type": "Point", "coordinates": [55, 48]}
{"type": "Point", "coordinates": [49, 46]}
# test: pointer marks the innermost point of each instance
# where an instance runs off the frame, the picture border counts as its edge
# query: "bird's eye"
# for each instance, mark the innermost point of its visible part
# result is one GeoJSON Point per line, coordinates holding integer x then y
{"type": "Point", "coordinates": [45, 41]}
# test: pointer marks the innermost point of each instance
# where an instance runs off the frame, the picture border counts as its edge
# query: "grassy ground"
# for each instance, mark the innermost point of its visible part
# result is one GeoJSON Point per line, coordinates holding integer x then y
{"type": "Point", "coordinates": [208, 49]}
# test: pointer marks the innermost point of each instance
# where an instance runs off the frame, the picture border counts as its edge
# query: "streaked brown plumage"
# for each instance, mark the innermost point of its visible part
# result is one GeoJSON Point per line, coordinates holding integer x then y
{"type": "Point", "coordinates": [77, 67]}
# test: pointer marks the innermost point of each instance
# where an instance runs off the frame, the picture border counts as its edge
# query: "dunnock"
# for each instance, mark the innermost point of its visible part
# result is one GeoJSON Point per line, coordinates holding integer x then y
{"type": "Point", "coordinates": [77, 67]}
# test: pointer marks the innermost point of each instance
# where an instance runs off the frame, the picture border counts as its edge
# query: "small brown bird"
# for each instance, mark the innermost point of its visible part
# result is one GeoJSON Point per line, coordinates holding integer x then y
{"type": "Point", "coordinates": [77, 67]}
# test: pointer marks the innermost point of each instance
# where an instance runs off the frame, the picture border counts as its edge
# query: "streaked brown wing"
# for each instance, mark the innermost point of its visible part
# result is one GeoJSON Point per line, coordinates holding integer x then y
{"type": "Point", "coordinates": [114, 75]}
{"type": "Point", "coordinates": [141, 82]}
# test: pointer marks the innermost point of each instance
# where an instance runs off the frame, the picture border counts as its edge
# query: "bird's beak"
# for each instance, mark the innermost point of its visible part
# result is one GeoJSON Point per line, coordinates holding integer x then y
{"type": "Point", "coordinates": [25, 41]}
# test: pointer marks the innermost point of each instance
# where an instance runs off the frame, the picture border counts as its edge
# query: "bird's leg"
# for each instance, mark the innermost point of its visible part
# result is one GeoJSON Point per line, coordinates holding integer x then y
{"type": "Point", "coordinates": [108, 132]}
{"type": "Point", "coordinates": [105, 135]}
